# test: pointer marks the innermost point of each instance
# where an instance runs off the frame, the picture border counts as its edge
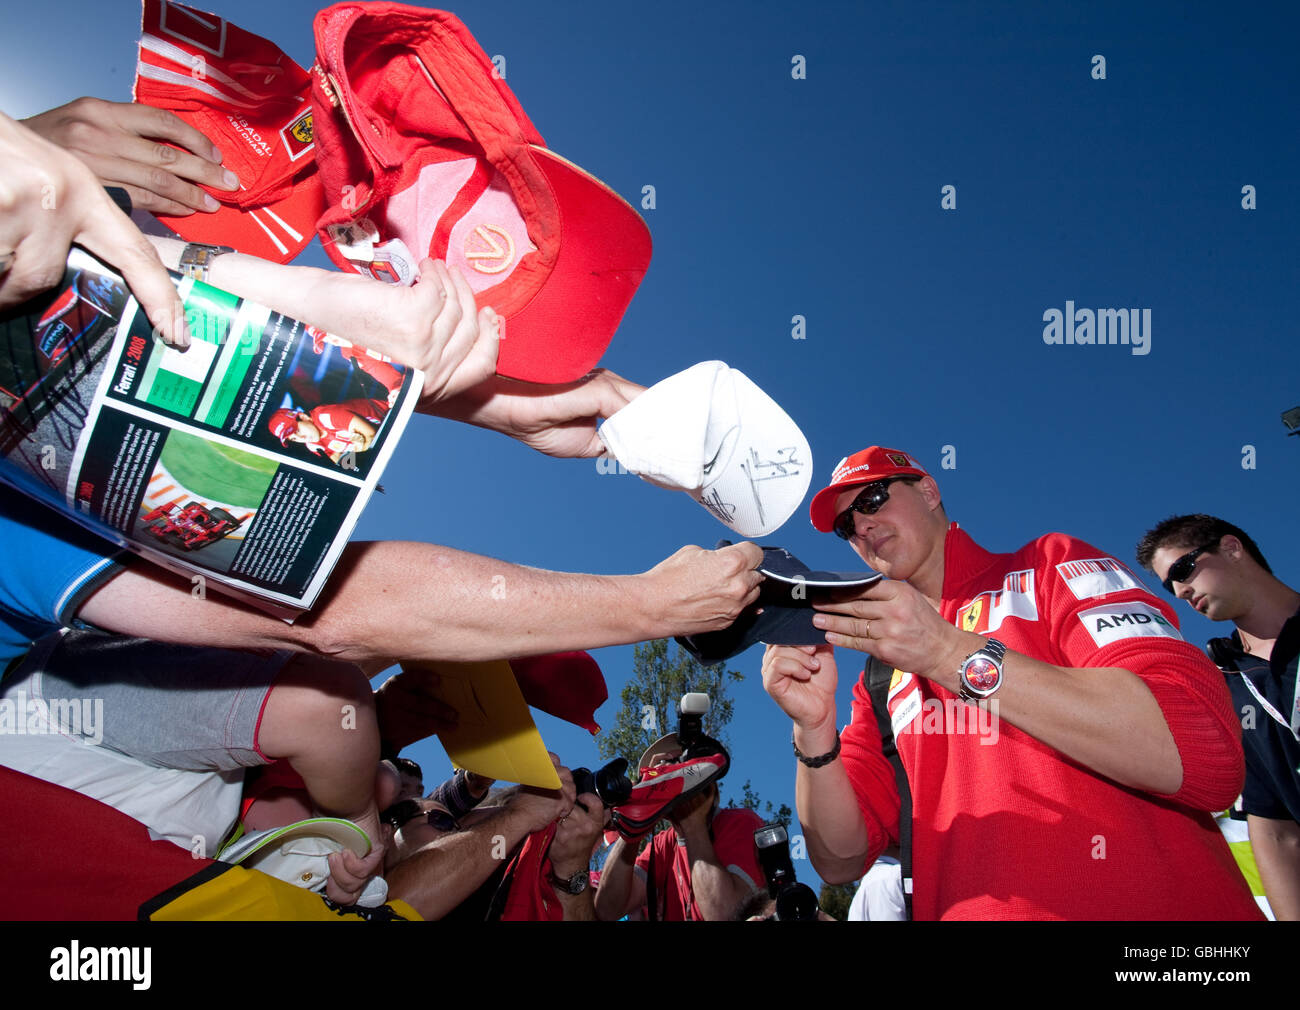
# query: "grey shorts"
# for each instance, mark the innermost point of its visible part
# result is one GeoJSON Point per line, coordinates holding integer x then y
{"type": "Point", "coordinates": [172, 706]}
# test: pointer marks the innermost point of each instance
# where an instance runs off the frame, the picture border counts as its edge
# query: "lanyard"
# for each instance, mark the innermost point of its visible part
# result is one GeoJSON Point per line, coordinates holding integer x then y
{"type": "Point", "coordinates": [1294, 723]}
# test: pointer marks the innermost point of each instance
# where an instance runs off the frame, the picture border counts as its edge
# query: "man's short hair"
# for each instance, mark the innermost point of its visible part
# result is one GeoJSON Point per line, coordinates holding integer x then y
{"type": "Point", "coordinates": [401, 812]}
{"type": "Point", "coordinates": [405, 766]}
{"type": "Point", "coordinates": [756, 902]}
{"type": "Point", "coordinates": [1191, 532]}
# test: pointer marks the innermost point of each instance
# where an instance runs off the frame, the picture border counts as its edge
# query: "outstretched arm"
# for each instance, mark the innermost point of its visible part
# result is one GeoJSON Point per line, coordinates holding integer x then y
{"type": "Point", "coordinates": [393, 600]}
{"type": "Point", "coordinates": [557, 420]}
{"type": "Point", "coordinates": [433, 325]}
{"type": "Point", "coordinates": [447, 870]}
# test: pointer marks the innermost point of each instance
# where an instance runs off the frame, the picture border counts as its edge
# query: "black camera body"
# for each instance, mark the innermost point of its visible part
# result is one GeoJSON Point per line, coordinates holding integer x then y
{"type": "Point", "coordinates": [609, 782]}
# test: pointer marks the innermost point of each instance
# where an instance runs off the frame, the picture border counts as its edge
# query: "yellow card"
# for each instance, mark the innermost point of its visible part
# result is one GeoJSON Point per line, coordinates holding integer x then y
{"type": "Point", "coordinates": [496, 735]}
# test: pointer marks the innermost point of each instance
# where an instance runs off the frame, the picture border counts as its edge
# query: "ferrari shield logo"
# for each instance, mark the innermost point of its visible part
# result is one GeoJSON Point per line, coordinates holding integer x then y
{"type": "Point", "coordinates": [297, 136]}
{"type": "Point", "coordinates": [986, 612]}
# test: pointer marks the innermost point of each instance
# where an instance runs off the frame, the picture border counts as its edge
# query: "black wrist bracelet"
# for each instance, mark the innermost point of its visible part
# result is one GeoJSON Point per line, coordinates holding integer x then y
{"type": "Point", "coordinates": [824, 759]}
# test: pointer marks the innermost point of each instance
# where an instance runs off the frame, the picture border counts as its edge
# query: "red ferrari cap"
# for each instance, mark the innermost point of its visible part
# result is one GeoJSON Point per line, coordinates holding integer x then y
{"type": "Point", "coordinates": [424, 151]}
{"type": "Point", "coordinates": [283, 423]}
{"type": "Point", "coordinates": [251, 100]}
{"type": "Point", "coordinates": [864, 467]}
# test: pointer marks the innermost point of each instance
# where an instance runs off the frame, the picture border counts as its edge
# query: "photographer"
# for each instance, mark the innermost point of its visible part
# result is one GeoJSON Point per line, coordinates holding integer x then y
{"type": "Point", "coordinates": [701, 869]}
{"type": "Point", "coordinates": [522, 854]}
{"type": "Point", "coordinates": [548, 880]}
{"type": "Point", "coordinates": [440, 872]}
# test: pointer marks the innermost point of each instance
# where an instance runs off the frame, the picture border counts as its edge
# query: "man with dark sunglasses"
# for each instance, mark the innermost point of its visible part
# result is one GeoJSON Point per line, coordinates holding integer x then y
{"type": "Point", "coordinates": [1063, 746]}
{"type": "Point", "coordinates": [1221, 573]}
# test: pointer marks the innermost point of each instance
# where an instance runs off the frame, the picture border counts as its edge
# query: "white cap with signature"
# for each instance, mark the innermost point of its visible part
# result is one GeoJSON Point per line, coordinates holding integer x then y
{"type": "Point", "coordinates": [709, 431]}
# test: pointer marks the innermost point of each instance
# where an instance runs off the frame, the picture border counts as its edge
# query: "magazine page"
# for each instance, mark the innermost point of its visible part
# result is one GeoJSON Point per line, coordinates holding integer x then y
{"type": "Point", "coordinates": [247, 458]}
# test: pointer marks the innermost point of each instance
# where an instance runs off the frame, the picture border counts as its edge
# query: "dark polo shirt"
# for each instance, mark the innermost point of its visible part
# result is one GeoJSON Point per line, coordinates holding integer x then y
{"type": "Point", "coordinates": [1272, 751]}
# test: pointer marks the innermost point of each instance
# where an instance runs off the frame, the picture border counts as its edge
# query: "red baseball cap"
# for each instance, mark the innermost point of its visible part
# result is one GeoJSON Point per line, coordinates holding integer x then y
{"type": "Point", "coordinates": [864, 467]}
{"type": "Point", "coordinates": [251, 100]}
{"type": "Point", "coordinates": [424, 151]}
{"type": "Point", "coordinates": [283, 423]}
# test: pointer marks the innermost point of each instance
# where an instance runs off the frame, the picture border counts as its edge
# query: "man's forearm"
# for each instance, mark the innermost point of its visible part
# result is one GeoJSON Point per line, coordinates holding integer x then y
{"type": "Point", "coordinates": [309, 294]}
{"type": "Point", "coordinates": [444, 873]}
{"type": "Point", "coordinates": [396, 600]}
{"type": "Point", "coordinates": [717, 891]}
{"type": "Point", "coordinates": [1106, 718]}
{"type": "Point", "coordinates": [833, 829]}
{"type": "Point", "coordinates": [614, 895]}
{"type": "Point", "coordinates": [1276, 844]}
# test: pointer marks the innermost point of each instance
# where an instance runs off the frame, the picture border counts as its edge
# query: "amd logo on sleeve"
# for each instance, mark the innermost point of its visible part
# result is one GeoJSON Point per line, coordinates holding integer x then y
{"type": "Point", "coordinates": [1127, 620]}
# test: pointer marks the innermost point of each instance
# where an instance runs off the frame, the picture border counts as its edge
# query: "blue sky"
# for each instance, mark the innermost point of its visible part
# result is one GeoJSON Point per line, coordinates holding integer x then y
{"type": "Point", "coordinates": [820, 197]}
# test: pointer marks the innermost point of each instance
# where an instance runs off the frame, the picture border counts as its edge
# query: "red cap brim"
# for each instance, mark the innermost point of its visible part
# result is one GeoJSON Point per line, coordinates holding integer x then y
{"type": "Point", "coordinates": [276, 231]}
{"type": "Point", "coordinates": [822, 510]}
{"type": "Point", "coordinates": [604, 251]}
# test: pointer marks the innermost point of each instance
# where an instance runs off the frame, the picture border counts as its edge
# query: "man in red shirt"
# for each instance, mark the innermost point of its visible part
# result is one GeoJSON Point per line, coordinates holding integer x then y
{"type": "Point", "coordinates": [331, 429]}
{"type": "Point", "coordinates": [702, 868]}
{"type": "Point", "coordinates": [1063, 745]}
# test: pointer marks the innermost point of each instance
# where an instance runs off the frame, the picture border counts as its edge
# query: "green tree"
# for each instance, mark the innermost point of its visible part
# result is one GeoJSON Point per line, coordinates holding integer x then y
{"type": "Point", "coordinates": [835, 899]}
{"type": "Point", "coordinates": [750, 800]}
{"type": "Point", "coordinates": [650, 700]}
{"type": "Point", "coordinates": [649, 710]}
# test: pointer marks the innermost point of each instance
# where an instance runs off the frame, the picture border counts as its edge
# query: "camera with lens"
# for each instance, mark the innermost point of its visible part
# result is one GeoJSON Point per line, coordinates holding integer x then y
{"type": "Point", "coordinates": [609, 782]}
{"type": "Point", "coordinates": [795, 902]}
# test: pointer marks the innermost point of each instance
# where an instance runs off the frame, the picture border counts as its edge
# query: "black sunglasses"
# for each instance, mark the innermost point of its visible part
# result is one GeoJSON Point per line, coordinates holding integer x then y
{"type": "Point", "coordinates": [1181, 570]}
{"type": "Point", "coordinates": [870, 501]}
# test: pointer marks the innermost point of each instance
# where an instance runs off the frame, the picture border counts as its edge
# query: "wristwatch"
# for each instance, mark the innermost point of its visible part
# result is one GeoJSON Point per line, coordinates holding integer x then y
{"type": "Point", "coordinates": [981, 672]}
{"type": "Point", "coordinates": [196, 259]}
{"type": "Point", "coordinates": [573, 885]}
